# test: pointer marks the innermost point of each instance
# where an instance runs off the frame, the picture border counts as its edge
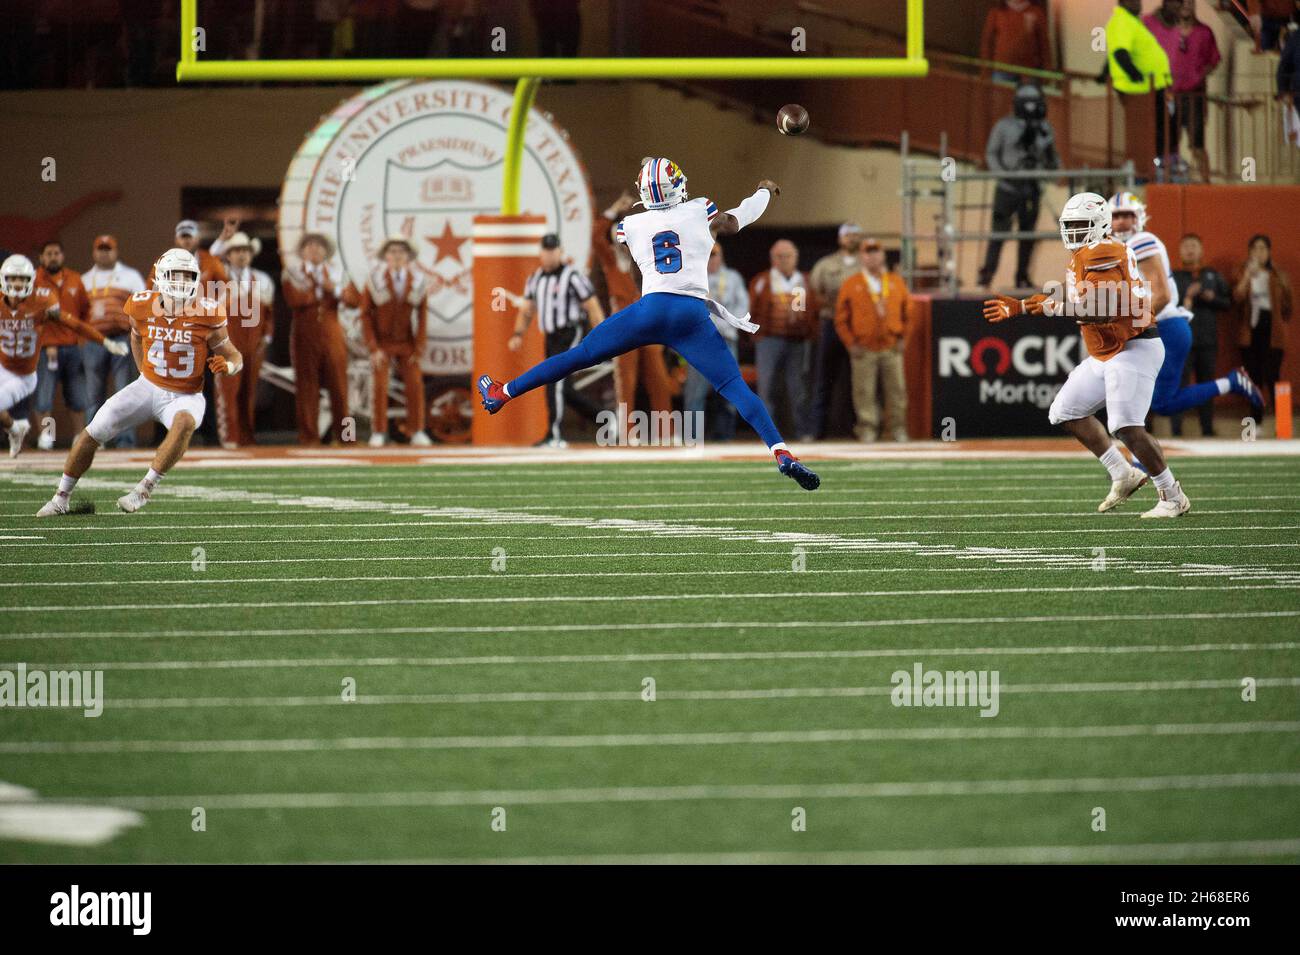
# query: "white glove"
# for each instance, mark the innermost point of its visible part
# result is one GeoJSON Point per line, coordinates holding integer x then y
{"type": "Point", "coordinates": [115, 348]}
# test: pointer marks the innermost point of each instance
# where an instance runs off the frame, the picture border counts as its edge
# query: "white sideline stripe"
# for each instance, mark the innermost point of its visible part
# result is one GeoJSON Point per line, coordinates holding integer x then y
{"type": "Point", "coordinates": [706, 499]}
{"type": "Point", "coordinates": [424, 538]}
{"type": "Point", "coordinates": [608, 598]}
{"type": "Point", "coordinates": [667, 531]}
{"type": "Point", "coordinates": [126, 524]}
{"type": "Point", "coordinates": [621, 794]}
{"type": "Point", "coordinates": [1280, 580]}
{"type": "Point", "coordinates": [695, 656]}
{"type": "Point", "coordinates": [620, 740]}
{"type": "Point", "coordinates": [685, 626]}
{"type": "Point", "coordinates": [974, 855]}
{"type": "Point", "coordinates": [634, 696]}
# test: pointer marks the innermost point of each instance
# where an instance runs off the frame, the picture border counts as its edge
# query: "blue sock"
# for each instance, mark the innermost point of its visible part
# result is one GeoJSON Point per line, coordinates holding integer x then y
{"type": "Point", "coordinates": [752, 409]}
{"type": "Point", "coordinates": [1185, 398]}
{"type": "Point", "coordinates": [553, 369]}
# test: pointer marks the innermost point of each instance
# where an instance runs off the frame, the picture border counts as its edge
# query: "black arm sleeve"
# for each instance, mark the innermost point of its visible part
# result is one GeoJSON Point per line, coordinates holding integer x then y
{"type": "Point", "coordinates": [1126, 64]}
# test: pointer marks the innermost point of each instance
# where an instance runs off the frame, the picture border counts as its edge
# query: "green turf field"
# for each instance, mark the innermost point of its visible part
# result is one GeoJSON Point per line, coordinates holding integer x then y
{"type": "Point", "coordinates": [520, 685]}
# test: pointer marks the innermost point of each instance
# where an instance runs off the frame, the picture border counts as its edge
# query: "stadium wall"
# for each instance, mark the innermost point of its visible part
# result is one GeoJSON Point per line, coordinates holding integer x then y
{"type": "Point", "coordinates": [152, 143]}
{"type": "Point", "coordinates": [1225, 217]}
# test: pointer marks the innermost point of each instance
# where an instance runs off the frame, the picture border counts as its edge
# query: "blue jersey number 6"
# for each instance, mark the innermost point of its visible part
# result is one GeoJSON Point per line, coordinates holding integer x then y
{"type": "Point", "coordinates": [668, 254]}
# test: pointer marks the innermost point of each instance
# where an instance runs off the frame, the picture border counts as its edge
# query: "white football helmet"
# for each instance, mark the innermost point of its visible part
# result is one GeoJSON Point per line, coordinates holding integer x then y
{"type": "Point", "coordinates": [1129, 202]}
{"type": "Point", "coordinates": [661, 183]}
{"type": "Point", "coordinates": [176, 275]}
{"type": "Point", "coordinates": [1085, 220]}
{"type": "Point", "coordinates": [17, 277]}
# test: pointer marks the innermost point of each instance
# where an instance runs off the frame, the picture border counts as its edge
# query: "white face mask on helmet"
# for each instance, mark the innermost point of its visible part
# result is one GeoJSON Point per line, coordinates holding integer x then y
{"type": "Point", "coordinates": [17, 277]}
{"type": "Point", "coordinates": [661, 183]}
{"type": "Point", "coordinates": [176, 275]}
{"type": "Point", "coordinates": [1129, 202]}
{"type": "Point", "coordinates": [1085, 220]}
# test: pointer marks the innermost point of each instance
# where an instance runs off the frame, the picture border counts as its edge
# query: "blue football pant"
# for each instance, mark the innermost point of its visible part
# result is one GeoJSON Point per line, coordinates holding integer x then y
{"type": "Point", "coordinates": [1170, 397]}
{"type": "Point", "coordinates": [680, 322]}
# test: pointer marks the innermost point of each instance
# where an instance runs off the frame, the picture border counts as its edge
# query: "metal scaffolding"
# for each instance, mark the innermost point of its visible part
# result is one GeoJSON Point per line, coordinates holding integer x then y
{"type": "Point", "coordinates": [937, 196]}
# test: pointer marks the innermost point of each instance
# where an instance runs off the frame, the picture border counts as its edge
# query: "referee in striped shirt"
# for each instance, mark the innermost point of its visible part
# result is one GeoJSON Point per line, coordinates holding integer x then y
{"type": "Point", "coordinates": [559, 296]}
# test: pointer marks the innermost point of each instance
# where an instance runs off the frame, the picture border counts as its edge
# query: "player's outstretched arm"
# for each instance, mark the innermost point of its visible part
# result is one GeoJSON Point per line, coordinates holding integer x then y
{"type": "Point", "coordinates": [88, 331]}
{"type": "Point", "coordinates": [225, 358]}
{"type": "Point", "coordinates": [733, 220]}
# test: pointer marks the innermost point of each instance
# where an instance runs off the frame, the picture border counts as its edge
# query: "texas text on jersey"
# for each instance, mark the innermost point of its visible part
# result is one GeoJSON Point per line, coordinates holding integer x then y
{"type": "Point", "coordinates": [1105, 276]}
{"type": "Point", "coordinates": [20, 329]}
{"type": "Point", "coordinates": [175, 346]}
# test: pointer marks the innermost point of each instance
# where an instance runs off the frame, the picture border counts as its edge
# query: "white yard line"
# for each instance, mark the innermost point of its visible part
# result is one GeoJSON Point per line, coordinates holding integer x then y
{"type": "Point", "coordinates": [695, 656]}
{"type": "Point", "coordinates": [681, 627]}
{"type": "Point", "coordinates": [634, 696]}
{"type": "Point", "coordinates": [628, 598]}
{"type": "Point", "coordinates": [627, 740]}
{"type": "Point", "coordinates": [1277, 579]}
{"type": "Point", "coordinates": [623, 794]}
{"type": "Point", "coordinates": [1067, 563]}
{"type": "Point", "coordinates": [974, 855]}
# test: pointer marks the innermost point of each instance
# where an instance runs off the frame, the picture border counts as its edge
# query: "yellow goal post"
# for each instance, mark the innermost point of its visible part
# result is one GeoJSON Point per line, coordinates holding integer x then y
{"type": "Point", "coordinates": [529, 70]}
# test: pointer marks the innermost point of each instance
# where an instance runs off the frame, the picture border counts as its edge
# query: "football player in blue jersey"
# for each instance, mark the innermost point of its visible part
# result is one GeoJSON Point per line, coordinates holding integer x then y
{"type": "Point", "coordinates": [670, 242]}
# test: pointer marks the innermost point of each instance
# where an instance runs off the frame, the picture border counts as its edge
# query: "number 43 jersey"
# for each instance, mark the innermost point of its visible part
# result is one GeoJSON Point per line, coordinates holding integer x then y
{"type": "Point", "coordinates": [175, 346]}
{"type": "Point", "coordinates": [671, 247]}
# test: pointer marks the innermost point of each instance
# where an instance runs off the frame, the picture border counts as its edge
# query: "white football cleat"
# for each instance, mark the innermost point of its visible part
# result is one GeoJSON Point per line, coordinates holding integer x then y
{"type": "Point", "coordinates": [1122, 490]}
{"type": "Point", "coordinates": [134, 501]}
{"type": "Point", "coordinates": [377, 440]}
{"type": "Point", "coordinates": [1175, 506]}
{"type": "Point", "coordinates": [17, 435]}
{"type": "Point", "coordinates": [421, 440]}
{"type": "Point", "coordinates": [55, 506]}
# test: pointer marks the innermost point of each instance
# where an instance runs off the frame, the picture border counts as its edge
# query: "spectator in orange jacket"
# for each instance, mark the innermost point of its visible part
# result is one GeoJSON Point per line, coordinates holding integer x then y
{"type": "Point", "coordinates": [317, 347]}
{"type": "Point", "coordinates": [785, 307]}
{"type": "Point", "coordinates": [393, 319]}
{"type": "Point", "coordinates": [871, 319]}
{"type": "Point", "coordinates": [61, 359]}
{"type": "Point", "coordinates": [1015, 33]}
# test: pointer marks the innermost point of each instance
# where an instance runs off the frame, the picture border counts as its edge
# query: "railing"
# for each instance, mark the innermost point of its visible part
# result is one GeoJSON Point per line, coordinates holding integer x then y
{"type": "Point", "coordinates": [925, 179]}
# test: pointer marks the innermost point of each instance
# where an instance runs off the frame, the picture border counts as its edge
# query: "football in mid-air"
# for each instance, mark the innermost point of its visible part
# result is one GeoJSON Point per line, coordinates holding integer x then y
{"type": "Point", "coordinates": [792, 119]}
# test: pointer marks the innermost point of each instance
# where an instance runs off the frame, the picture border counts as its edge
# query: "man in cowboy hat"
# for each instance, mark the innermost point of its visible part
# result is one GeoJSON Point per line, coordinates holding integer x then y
{"type": "Point", "coordinates": [392, 305]}
{"type": "Point", "coordinates": [249, 303]}
{"type": "Point", "coordinates": [317, 347]}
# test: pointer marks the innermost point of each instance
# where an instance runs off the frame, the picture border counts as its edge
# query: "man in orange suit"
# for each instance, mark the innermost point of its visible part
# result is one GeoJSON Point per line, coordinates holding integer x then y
{"type": "Point", "coordinates": [249, 310]}
{"type": "Point", "coordinates": [317, 347]}
{"type": "Point", "coordinates": [393, 317]}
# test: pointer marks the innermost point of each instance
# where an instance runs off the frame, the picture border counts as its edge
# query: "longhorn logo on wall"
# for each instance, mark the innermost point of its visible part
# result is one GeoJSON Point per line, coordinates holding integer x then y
{"type": "Point", "coordinates": [422, 158]}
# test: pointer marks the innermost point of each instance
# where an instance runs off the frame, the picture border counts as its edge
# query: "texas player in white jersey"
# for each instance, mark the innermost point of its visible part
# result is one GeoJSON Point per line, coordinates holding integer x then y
{"type": "Point", "coordinates": [173, 331]}
{"type": "Point", "coordinates": [671, 242]}
{"type": "Point", "coordinates": [1128, 218]}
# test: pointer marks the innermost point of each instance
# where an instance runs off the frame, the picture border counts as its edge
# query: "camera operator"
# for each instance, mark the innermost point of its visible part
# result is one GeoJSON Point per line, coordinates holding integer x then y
{"type": "Point", "coordinates": [1023, 140]}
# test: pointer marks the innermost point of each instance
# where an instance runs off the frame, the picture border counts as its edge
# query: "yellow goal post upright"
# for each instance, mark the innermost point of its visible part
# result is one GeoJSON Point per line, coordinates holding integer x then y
{"type": "Point", "coordinates": [527, 71]}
